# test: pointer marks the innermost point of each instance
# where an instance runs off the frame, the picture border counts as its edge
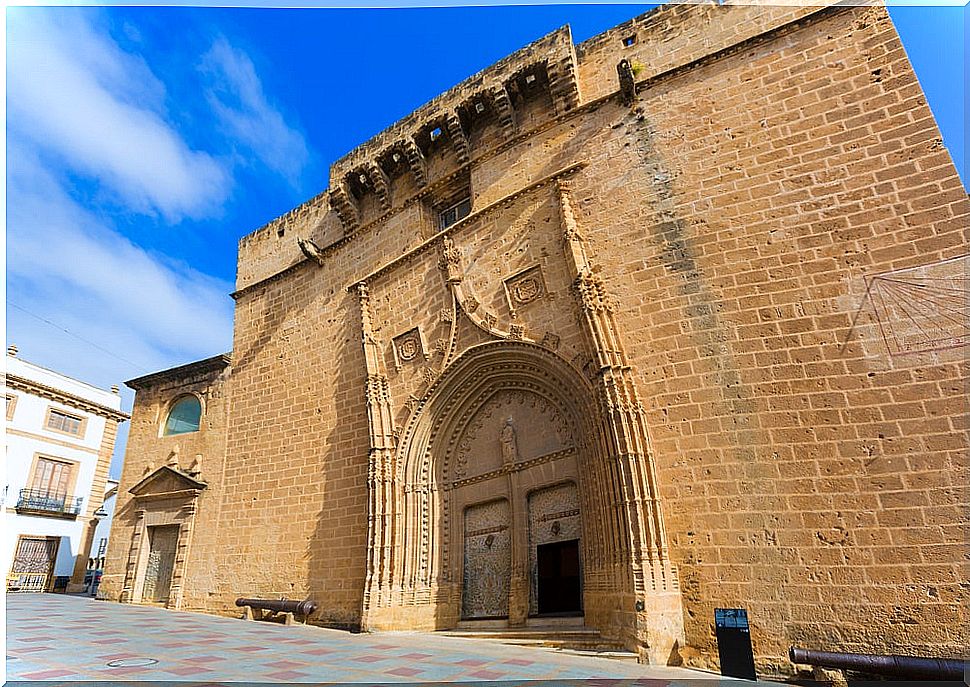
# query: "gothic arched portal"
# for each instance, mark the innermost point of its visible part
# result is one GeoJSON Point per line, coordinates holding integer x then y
{"type": "Point", "coordinates": [508, 423]}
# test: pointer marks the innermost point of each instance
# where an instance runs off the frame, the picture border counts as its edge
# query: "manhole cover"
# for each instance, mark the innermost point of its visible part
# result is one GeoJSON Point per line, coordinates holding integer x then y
{"type": "Point", "coordinates": [132, 662]}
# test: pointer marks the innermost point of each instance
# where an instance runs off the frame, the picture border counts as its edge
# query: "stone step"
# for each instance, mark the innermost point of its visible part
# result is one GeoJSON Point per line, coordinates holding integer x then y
{"type": "Point", "coordinates": [564, 638]}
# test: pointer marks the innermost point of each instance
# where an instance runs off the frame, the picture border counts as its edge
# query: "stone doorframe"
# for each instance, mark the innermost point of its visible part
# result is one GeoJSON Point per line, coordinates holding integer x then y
{"type": "Point", "coordinates": [166, 496]}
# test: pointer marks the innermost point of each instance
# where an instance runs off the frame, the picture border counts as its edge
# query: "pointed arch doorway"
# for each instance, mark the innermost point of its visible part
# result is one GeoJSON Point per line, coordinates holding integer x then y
{"type": "Point", "coordinates": [500, 469]}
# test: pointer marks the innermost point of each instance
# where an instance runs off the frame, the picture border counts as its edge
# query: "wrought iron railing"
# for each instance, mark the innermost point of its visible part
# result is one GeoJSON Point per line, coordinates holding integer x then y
{"type": "Point", "coordinates": [27, 582]}
{"type": "Point", "coordinates": [35, 501]}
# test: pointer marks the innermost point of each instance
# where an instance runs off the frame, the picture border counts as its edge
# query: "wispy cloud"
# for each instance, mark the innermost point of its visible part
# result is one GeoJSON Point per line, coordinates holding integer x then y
{"type": "Point", "coordinates": [236, 95]}
{"type": "Point", "coordinates": [85, 301]}
{"type": "Point", "coordinates": [65, 264]}
{"type": "Point", "coordinates": [74, 92]}
{"type": "Point", "coordinates": [96, 146]}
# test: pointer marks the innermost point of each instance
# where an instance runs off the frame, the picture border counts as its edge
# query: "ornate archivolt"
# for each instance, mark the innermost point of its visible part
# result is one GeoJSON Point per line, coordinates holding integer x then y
{"type": "Point", "coordinates": [469, 305]}
{"type": "Point", "coordinates": [431, 447]}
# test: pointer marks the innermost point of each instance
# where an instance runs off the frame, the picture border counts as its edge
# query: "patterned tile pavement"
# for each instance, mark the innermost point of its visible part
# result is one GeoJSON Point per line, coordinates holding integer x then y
{"type": "Point", "coordinates": [52, 637]}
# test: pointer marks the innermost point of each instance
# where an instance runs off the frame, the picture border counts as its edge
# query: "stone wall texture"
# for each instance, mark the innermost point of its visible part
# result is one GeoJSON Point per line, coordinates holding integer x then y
{"type": "Point", "coordinates": [729, 256]}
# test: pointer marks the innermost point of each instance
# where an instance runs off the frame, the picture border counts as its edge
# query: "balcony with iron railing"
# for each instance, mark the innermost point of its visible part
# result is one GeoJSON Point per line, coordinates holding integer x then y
{"type": "Point", "coordinates": [35, 502]}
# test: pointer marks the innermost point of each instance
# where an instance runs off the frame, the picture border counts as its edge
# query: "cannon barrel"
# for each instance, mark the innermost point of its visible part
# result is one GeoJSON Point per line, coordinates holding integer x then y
{"type": "Point", "coordinates": [894, 666]}
{"type": "Point", "coordinates": [279, 605]}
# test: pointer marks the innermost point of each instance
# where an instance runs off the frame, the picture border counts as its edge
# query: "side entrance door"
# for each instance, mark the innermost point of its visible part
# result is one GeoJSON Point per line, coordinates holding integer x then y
{"type": "Point", "coordinates": [162, 541]}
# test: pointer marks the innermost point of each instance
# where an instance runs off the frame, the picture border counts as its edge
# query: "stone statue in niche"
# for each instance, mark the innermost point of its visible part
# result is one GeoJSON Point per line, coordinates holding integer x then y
{"type": "Point", "coordinates": [510, 449]}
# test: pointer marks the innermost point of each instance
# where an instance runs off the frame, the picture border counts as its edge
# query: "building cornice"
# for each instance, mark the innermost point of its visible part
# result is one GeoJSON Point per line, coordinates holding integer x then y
{"type": "Point", "coordinates": [13, 431]}
{"type": "Point", "coordinates": [36, 388]}
{"type": "Point", "coordinates": [216, 362]}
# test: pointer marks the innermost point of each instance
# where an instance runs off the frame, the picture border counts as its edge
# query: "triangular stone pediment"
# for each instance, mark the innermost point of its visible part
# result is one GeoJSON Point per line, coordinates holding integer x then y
{"type": "Point", "coordinates": [166, 480]}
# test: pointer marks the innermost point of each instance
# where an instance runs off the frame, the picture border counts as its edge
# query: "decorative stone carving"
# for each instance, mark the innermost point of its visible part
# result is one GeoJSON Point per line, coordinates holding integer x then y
{"type": "Point", "coordinates": [409, 347]}
{"type": "Point", "coordinates": [550, 341]}
{"type": "Point", "coordinates": [510, 450]}
{"type": "Point", "coordinates": [451, 260]}
{"type": "Point", "coordinates": [627, 80]}
{"type": "Point", "coordinates": [311, 250]}
{"type": "Point", "coordinates": [525, 287]}
{"type": "Point", "coordinates": [490, 441]}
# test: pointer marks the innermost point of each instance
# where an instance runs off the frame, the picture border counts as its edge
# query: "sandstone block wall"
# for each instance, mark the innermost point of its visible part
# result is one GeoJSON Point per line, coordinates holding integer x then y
{"type": "Point", "coordinates": [778, 232]}
{"type": "Point", "coordinates": [147, 450]}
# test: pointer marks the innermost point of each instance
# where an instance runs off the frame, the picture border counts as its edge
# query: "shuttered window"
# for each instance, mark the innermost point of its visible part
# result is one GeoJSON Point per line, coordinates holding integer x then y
{"type": "Point", "coordinates": [51, 477]}
{"type": "Point", "coordinates": [62, 422]}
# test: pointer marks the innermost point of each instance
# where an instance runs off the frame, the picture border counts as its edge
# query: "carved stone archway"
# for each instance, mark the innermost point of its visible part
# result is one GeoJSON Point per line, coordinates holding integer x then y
{"type": "Point", "coordinates": [415, 578]}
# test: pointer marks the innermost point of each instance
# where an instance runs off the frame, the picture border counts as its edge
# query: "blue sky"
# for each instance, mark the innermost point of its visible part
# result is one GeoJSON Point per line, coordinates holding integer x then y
{"type": "Point", "coordinates": [143, 142]}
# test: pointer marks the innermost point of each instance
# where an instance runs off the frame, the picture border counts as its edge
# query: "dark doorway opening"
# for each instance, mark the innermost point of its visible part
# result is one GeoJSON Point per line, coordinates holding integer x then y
{"type": "Point", "coordinates": [560, 589]}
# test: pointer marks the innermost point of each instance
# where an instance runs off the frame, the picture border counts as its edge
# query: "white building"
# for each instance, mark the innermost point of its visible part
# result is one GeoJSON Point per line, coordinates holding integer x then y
{"type": "Point", "coordinates": [60, 435]}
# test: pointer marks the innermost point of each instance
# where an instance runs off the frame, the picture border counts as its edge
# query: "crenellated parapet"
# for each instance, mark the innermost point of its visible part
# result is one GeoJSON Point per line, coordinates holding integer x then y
{"type": "Point", "coordinates": [546, 67]}
{"type": "Point", "coordinates": [419, 157]}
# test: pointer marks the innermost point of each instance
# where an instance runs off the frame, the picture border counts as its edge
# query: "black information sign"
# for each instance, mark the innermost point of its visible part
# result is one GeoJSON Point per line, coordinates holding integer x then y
{"type": "Point", "coordinates": [734, 643]}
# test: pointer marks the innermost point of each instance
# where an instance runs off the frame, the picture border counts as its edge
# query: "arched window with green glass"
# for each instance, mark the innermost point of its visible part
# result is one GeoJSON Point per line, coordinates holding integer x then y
{"type": "Point", "coordinates": [184, 417]}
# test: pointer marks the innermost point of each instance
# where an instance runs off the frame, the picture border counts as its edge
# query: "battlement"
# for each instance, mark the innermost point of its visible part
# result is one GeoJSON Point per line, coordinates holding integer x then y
{"type": "Point", "coordinates": [546, 80]}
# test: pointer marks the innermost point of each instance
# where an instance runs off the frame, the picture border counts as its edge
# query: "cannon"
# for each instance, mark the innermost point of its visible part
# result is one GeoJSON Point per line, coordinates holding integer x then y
{"type": "Point", "coordinates": [906, 667]}
{"type": "Point", "coordinates": [259, 609]}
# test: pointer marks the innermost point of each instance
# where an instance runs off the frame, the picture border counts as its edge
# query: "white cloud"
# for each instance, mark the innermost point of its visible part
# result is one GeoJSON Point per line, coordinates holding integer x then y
{"type": "Point", "coordinates": [66, 266]}
{"type": "Point", "coordinates": [74, 92]}
{"type": "Point", "coordinates": [236, 95]}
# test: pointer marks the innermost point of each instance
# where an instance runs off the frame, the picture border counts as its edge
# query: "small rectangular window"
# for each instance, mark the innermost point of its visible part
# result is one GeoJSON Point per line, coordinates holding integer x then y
{"type": "Point", "coordinates": [458, 211]}
{"type": "Point", "coordinates": [630, 40]}
{"type": "Point", "coordinates": [10, 405]}
{"type": "Point", "coordinates": [63, 422]}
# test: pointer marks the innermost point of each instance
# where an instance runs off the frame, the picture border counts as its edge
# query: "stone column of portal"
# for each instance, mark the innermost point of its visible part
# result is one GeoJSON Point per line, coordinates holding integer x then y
{"type": "Point", "coordinates": [131, 569]}
{"type": "Point", "coordinates": [381, 482]}
{"type": "Point", "coordinates": [658, 609]}
{"type": "Point", "coordinates": [519, 585]}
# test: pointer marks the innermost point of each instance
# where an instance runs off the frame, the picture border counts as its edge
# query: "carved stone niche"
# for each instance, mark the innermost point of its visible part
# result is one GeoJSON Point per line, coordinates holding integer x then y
{"type": "Point", "coordinates": [525, 287]}
{"type": "Point", "coordinates": [409, 347]}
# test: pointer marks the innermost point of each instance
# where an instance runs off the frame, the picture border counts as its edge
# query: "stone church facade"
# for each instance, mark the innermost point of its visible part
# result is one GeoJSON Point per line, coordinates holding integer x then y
{"type": "Point", "coordinates": [633, 329]}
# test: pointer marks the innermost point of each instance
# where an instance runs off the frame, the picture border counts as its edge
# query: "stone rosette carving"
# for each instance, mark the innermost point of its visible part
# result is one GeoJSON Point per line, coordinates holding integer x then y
{"type": "Point", "coordinates": [525, 287]}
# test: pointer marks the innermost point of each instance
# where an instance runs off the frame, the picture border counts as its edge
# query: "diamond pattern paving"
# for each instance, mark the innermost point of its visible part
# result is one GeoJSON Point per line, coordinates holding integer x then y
{"type": "Point", "coordinates": [86, 635]}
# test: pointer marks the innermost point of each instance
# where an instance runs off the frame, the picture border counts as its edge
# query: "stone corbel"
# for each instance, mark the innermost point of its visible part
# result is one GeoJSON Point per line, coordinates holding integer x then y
{"type": "Point", "coordinates": [381, 184]}
{"type": "Point", "coordinates": [416, 161]}
{"type": "Point", "coordinates": [563, 85]}
{"type": "Point", "coordinates": [506, 113]}
{"type": "Point", "coordinates": [457, 135]}
{"type": "Point", "coordinates": [343, 202]}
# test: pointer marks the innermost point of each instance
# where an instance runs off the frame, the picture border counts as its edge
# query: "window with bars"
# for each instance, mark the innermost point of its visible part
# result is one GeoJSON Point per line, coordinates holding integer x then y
{"type": "Point", "coordinates": [458, 211]}
{"type": "Point", "coordinates": [60, 421]}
